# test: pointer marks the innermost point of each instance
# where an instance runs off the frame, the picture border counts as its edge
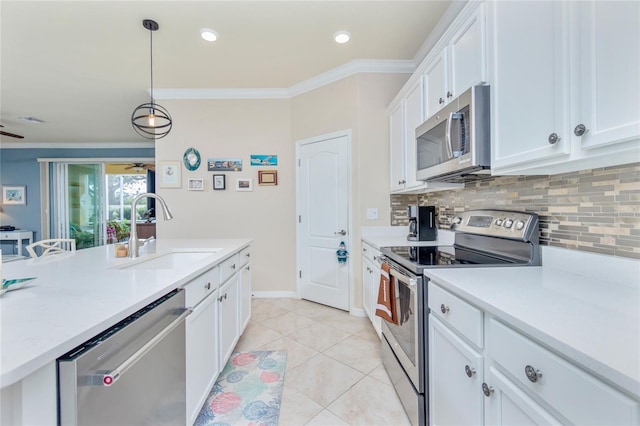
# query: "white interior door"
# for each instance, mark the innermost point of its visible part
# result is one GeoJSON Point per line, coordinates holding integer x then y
{"type": "Point", "coordinates": [323, 216]}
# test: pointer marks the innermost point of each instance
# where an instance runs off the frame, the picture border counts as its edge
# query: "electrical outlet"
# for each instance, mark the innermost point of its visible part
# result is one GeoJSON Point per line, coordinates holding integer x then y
{"type": "Point", "coordinates": [372, 213]}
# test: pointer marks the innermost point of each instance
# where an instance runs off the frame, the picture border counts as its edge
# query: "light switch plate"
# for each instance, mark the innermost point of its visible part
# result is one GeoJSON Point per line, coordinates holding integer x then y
{"type": "Point", "coordinates": [372, 213]}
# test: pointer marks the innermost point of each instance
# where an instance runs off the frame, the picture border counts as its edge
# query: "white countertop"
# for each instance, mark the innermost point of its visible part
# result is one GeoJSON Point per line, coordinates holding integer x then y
{"type": "Point", "coordinates": [590, 319]}
{"type": "Point", "coordinates": [78, 295]}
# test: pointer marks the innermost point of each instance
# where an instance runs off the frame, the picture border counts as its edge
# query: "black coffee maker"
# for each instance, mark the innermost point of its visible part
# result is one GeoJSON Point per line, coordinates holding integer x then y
{"type": "Point", "coordinates": [422, 223]}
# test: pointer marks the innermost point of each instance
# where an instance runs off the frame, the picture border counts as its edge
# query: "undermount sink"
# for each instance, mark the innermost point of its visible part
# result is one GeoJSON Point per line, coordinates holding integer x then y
{"type": "Point", "coordinates": [171, 260]}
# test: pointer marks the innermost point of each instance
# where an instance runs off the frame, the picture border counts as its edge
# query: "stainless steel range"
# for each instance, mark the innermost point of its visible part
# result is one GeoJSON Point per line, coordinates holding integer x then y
{"type": "Point", "coordinates": [482, 238]}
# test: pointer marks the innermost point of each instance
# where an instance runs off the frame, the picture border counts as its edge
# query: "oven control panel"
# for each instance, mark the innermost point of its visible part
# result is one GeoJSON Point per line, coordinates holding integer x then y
{"type": "Point", "coordinates": [496, 223]}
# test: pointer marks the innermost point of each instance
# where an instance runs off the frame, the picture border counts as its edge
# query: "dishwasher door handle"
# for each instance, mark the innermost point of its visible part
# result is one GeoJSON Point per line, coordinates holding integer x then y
{"type": "Point", "coordinates": [110, 377]}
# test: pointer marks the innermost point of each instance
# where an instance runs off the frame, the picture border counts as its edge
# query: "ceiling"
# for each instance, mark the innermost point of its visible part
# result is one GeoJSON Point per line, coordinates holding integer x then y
{"type": "Point", "coordinates": [83, 66]}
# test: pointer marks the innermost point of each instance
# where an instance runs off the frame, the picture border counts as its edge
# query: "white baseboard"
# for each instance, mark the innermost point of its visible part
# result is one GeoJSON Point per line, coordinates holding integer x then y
{"type": "Point", "coordinates": [358, 312]}
{"type": "Point", "coordinates": [275, 294]}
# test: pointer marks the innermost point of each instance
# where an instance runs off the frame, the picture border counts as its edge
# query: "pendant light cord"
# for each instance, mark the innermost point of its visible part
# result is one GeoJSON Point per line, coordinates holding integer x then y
{"type": "Point", "coordinates": [151, 48]}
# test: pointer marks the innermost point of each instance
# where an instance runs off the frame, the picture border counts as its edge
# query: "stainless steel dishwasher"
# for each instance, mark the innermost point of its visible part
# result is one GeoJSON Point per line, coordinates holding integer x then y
{"type": "Point", "coordinates": [131, 374]}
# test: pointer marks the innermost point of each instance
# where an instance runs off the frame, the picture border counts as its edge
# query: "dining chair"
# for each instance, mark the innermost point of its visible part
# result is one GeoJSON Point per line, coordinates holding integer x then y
{"type": "Point", "coordinates": [52, 246]}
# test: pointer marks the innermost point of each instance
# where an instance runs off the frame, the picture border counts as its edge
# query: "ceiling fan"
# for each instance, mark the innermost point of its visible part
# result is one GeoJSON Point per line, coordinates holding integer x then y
{"type": "Point", "coordinates": [11, 135]}
{"type": "Point", "coordinates": [139, 167]}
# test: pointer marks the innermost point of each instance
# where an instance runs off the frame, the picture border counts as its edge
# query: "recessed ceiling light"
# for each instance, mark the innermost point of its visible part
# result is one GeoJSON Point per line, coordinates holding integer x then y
{"type": "Point", "coordinates": [342, 37]}
{"type": "Point", "coordinates": [208, 34]}
{"type": "Point", "coordinates": [34, 120]}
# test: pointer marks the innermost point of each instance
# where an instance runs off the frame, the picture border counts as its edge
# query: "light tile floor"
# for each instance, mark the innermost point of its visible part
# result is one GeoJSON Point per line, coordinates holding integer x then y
{"type": "Point", "coordinates": [334, 374]}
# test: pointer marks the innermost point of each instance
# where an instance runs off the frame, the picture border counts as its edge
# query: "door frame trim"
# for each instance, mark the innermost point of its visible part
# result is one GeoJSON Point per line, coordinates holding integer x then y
{"type": "Point", "coordinates": [349, 238]}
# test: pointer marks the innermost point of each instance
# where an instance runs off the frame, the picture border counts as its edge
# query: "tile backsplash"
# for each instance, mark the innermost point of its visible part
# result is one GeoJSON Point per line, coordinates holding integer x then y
{"type": "Point", "coordinates": [592, 210]}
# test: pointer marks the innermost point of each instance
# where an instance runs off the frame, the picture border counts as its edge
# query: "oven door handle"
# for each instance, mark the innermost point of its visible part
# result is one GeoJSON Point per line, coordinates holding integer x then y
{"type": "Point", "coordinates": [411, 282]}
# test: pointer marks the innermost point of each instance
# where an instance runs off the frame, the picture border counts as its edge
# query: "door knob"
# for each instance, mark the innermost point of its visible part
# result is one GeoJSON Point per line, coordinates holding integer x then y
{"type": "Point", "coordinates": [341, 232]}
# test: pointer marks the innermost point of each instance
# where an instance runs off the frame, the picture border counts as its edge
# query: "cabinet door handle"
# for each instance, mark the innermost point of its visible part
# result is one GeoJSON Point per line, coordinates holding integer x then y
{"type": "Point", "coordinates": [470, 371]}
{"type": "Point", "coordinates": [449, 94]}
{"type": "Point", "coordinates": [532, 374]}
{"type": "Point", "coordinates": [233, 266]}
{"type": "Point", "coordinates": [440, 101]}
{"type": "Point", "coordinates": [580, 130]}
{"type": "Point", "coordinates": [487, 390]}
{"type": "Point", "coordinates": [554, 138]}
{"type": "Point", "coordinates": [444, 309]}
{"type": "Point", "coordinates": [248, 268]}
{"type": "Point", "coordinates": [207, 286]}
{"type": "Point", "coordinates": [248, 255]}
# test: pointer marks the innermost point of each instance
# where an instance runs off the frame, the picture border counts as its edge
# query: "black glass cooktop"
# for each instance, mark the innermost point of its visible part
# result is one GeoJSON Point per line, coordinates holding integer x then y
{"type": "Point", "coordinates": [417, 258]}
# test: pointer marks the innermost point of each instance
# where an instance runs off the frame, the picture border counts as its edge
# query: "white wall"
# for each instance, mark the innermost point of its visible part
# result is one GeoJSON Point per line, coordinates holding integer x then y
{"type": "Point", "coordinates": [239, 128]}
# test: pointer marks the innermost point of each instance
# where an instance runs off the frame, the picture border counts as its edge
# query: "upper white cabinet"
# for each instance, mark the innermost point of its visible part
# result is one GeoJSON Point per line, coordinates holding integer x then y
{"type": "Point", "coordinates": [565, 85]}
{"type": "Point", "coordinates": [609, 34]}
{"type": "Point", "coordinates": [397, 147]}
{"type": "Point", "coordinates": [457, 62]}
{"type": "Point", "coordinates": [461, 63]}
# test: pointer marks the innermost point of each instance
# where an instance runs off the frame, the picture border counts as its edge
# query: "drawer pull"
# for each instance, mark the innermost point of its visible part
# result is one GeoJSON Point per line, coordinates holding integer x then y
{"type": "Point", "coordinates": [444, 309]}
{"type": "Point", "coordinates": [233, 266]}
{"type": "Point", "coordinates": [487, 390]}
{"type": "Point", "coordinates": [470, 371]}
{"type": "Point", "coordinates": [207, 286]}
{"type": "Point", "coordinates": [532, 374]}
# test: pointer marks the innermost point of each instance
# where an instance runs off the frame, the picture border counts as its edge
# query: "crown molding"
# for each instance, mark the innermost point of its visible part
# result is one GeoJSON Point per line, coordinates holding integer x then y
{"type": "Point", "coordinates": [76, 145]}
{"type": "Point", "coordinates": [331, 76]}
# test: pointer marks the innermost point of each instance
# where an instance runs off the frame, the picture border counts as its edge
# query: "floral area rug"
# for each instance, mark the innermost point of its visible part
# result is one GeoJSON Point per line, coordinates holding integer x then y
{"type": "Point", "coordinates": [248, 391]}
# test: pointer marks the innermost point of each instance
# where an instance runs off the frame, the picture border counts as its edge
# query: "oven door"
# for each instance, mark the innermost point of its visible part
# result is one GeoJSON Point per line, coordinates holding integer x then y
{"type": "Point", "coordinates": [407, 338]}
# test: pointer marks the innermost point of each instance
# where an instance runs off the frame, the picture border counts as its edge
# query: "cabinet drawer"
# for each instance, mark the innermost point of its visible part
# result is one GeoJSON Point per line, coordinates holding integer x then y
{"type": "Point", "coordinates": [245, 256]}
{"type": "Point", "coordinates": [572, 392]}
{"type": "Point", "coordinates": [229, 267]}
{"type": "Point", "coordinates": [201, 286]}
{"type": "Point", "coordinates": [458, 314]}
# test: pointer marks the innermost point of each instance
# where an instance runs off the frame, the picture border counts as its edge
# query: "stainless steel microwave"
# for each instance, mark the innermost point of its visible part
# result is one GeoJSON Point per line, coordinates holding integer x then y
{"type": "Point", "coordinates": [454, 144]}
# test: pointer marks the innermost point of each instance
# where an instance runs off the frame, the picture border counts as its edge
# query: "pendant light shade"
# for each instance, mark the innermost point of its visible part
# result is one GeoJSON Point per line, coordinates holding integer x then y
{"type": "Point", "coordinates": [150, 120]}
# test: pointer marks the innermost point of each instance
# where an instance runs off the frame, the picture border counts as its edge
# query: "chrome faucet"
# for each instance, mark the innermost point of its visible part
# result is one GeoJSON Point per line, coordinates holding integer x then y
{"type": "Point", "coordinates": [134, 243]}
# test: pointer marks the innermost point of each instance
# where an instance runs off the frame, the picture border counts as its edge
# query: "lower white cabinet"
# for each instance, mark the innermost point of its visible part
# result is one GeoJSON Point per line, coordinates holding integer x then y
{"type": "Point", "coordinates": [522, 381]}
{"type": "Point", "coordinates": [202, 363]}
{"type": "Point", "coordinates": [370, 284]}
{"type": "Point", "coordinates": [455, 375]}
{"type": "Point", "coordinates": [228, 317]}
{"type": "Point", "coordinates": [245, 289]}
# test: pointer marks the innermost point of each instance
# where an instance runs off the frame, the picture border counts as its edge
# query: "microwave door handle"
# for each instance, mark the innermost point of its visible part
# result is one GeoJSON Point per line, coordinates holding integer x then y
{"type": "Point", "coordinates": [452, 116]}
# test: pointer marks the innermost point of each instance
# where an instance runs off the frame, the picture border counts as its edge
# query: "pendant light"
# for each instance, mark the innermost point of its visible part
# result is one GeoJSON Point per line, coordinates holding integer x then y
{"type": "Point", "coordinates": [150, 120]}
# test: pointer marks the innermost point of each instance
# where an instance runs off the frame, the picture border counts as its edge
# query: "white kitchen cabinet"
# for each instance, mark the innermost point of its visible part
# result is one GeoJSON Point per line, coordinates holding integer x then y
{"type": "Point", "coordinates": [609, 33]}
{"type": "Point", "coordinates": [370, 284]}
{"type": "Point", "coordinates": [522, 381]}
{"type": "Point", "coordinates": [397, 147]}
{"type": "Point", "coordinates": [228, 318]}
{"type": "Point", "coordinates": [245, 289]}
{"type": "Point", "coordinates": [201, 343]}
{"type": "Point", "coordinates": [564, 85]}
{"type": "Point", "coordinates": [506, 404]}
{"type": "Point", "coordinates": [202, 363]}
{"type": "Point", "coordinates": [461, 63]}
{"type": "Point", "coordinates": [455, 377]}
{"type": "Point", "coordinates": [571, 393]}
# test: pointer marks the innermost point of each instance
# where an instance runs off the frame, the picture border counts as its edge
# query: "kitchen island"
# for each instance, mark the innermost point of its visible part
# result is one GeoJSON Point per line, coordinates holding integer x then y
{"type": "Point", "coordinates": [74, 297]}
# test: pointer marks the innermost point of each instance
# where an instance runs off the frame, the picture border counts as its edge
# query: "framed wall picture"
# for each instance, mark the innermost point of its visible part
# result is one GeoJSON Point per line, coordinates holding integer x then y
{"type": "Point", "coordinates": [268, 177]}
{"type": "Point", "coordinates": [244, 184]}
{"type": "Point", "coordinates": [14, 195]}
{"type": "Point", "coordinates": [219, 182]}
{"type": "Point", "coordinates": [224, 164]}
{"type": "Point", "coordinates": [169, 174]}
{"type": "Point", "coordinates": [196, 184]}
